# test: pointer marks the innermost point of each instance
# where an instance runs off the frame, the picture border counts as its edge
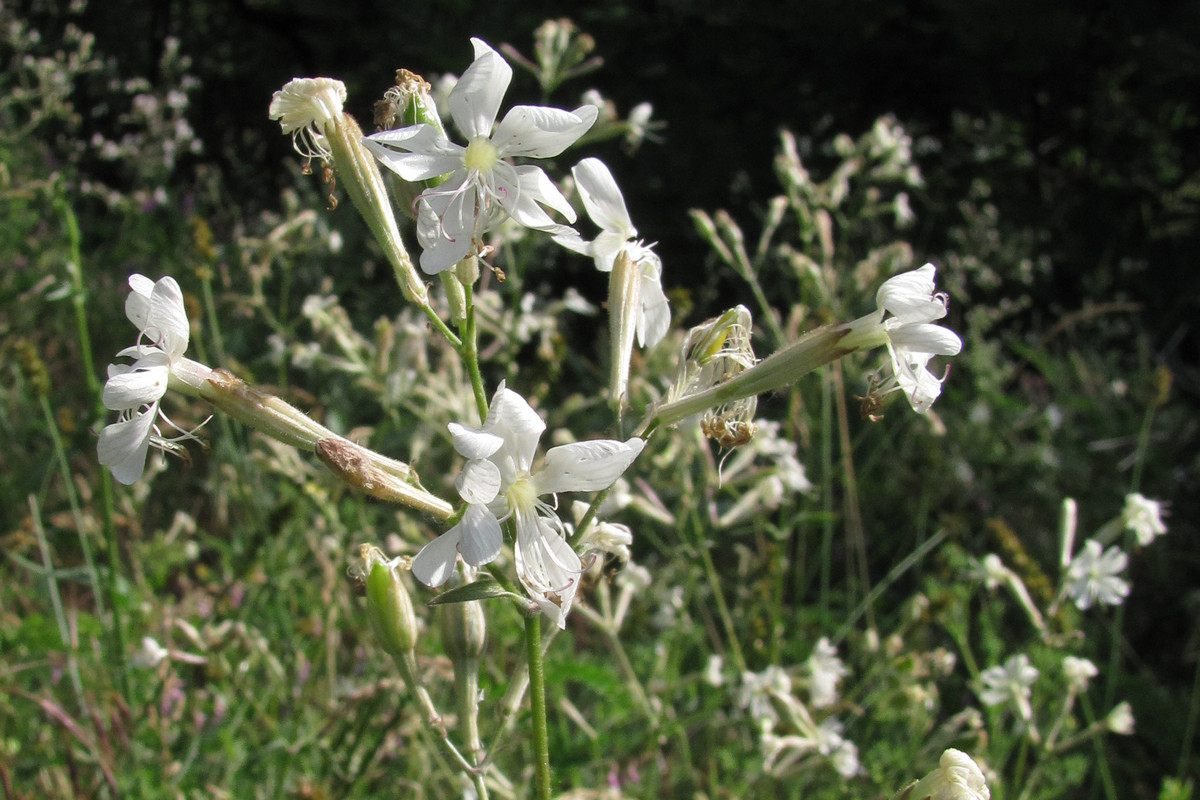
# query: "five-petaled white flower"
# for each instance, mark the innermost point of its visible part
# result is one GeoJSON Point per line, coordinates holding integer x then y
{"type": "Point", "coordinates": [1143, 516]}
{"type": "Point", "coordinates": [1009, 683]}
{"type": "Point", "coordinates": [482, 189]}
{"type": "Point", "coordinates": [1092, 576]}
{"type": "Point", "coordinates": [824, 670]}
{"type": "Point", "coordinates": [135, 391]}
{"type": "Point", "coordinates": [604, 203]}
{"type": "Point", "coordinates": [909, 333]}
{"type": "Point", "coordinates": [498, 482]}
{"type": "Point", "coordinates": [1078, 671]}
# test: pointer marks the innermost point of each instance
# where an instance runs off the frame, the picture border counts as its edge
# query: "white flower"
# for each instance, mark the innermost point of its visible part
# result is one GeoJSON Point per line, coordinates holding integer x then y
{"type": "Point", "coordinates": [991, 571]}
{"type": "Point", "coordinates": [150, 654]}
{"type": "Point", "coordinates": [841, 752]}
{"type": "Point", "coordinates": [957, 777]}
{"type": "Point", "coordinates": [824, 670]}
{"type": "Point", "coordinates": [482, 189]}
{"type": "Point", "coordinates": [136, 390]}
{"type": "Point", "coordinates": [1009, 683]}
{"type": "Point", "coordinates": [304, 106]}
{"type": "Point", "coordinates": [1092, 576]}
{"type": "Point", "coordinates": [1120, 719]}
{"type": "Point", "coordinates": [758, 688]}
{"type": "Point", "coordinates": [712, 670]}
{"type": "Point", "coordinates": [604, 203]}
{"type": "Point", "coordinates": [498, 482]}
{"type": "Point", "coordinates": [1144, 517]}
{"type": "Point", "coordinates": [909, 333]}
{"type": "Point", "coordinates": [1078, 671]}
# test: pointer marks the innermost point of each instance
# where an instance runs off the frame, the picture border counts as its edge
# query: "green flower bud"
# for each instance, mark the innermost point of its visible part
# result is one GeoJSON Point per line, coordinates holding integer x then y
{"type": "Point", "coordinates": [464, 631]}
{"type": "Point", "coordinates": [388, 605]}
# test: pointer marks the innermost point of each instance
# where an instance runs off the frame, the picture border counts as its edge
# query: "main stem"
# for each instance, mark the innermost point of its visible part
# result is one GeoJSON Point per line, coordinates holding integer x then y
{"type": "Point", "coordinates": [537, 704]}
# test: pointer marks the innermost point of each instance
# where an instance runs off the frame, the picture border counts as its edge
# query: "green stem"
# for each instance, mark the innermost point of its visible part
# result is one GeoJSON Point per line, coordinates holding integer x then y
{"type": "Point", "coordinates": [710, 571]}
{"type": "Point", "coordinates": [1143, 443]}
{"type": "Point", "coordinates": [537, 704]}
{"type": "Point", "coordinates": [466, 687]}
{"type": "Point", "coordinates": [64, 468]}
{"type": "Point", "coordinates": [442, 328]}
{"type": "Point", "coordinates": [112, 551]}
{"type": "Point", "coordinates": [469, 351]}
{"type": "Point", "coordinates": [60, 617]}
{"type": "Point", "coordinates": [1106, 778]}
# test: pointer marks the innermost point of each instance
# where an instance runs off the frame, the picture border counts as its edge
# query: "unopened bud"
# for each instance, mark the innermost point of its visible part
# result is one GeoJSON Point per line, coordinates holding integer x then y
{"type": "Point", "coordinates": [408, 102]}
{"type": "Point", "coordinates": [464, 631]}
{"type": "Point", "coordinates": [624, 303]}
{"type": "Point", "coordinates": [388, 605]}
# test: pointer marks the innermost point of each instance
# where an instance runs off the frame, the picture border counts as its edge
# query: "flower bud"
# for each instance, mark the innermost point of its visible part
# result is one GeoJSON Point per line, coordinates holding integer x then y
{"type": "Point", "coordinates": [408, 102]}
{"type": "Point", "coordinates": [624, 302]}
{"type": "Point", "coordinates": [388, 605]}
{"type": "Point", "coordinates": [464, 631]}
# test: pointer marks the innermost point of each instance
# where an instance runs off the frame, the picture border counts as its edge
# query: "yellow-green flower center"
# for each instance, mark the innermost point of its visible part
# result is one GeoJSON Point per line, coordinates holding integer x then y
{"type": "Point", "coordinates": [481, 154]}
{"type": "Point", "coordinates": [522, 493]}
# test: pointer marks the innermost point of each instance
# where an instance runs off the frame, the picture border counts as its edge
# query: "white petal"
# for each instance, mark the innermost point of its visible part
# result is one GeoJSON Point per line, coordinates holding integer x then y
{"type": "Point", "coordinates": [548, 568]}
{"type": "Point", "coordinates": [122, 446]}
{"type": "Point", "coordinates": [602, 198]}
{"type": "Point", "coordinates": [137, 304]}
{"type": "Point", "coordinates": [655, 320]}
{"type": "Point", "coordinates": [607, 246]}
{"type": "Point", "coordinates": [533, 190]}
{"type": "Point", "coordinates": [476, 97]}
{"type": "Point", "coordinates": [920, 386]}
{"type": "Point", "coordinates": [479, 481]}
{"type": "Point", "coordinates": [428, 153]}
{"type": "Point", "coordinates": [925, 337]}
{"type": "Point", "coordinates": [135, 388]}
{"type": "Point", "coordinates": [167, 322]}
{"type": "Point", "coordinates": [446, 224]}
{"type": "Point", "coordinates": [434, 565]}
{"type": "Point", "coordinates": [910, 296]}
{"type": "Point", "coordinates": [541, 131]}
{"type": "Point", "coordinates": [474, 442]}
{"type": "Point", "coordinates": [586, 466]}
{"type": "Point", "coordinates": [481, 536]}
{"type": "Point", "coordinates": [575, 243]}
{"type": "Point", "coordinates": [511, 417]}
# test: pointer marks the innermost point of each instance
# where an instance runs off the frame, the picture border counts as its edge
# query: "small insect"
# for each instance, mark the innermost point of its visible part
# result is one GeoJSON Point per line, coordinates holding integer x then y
{"type": "Point", "coordinates": [732, 433]}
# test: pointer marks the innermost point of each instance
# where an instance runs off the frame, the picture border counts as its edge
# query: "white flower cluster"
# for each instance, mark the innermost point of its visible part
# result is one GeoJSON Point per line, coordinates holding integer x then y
{"type": "Point", "coordinates": [790, 736]}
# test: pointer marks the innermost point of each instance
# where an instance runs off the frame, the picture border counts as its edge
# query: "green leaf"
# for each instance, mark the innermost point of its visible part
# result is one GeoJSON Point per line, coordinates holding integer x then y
{"type": "Point", "coordinates": [482, 589]}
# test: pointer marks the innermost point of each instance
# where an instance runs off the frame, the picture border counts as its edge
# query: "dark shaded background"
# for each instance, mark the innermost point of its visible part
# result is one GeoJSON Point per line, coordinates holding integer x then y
{"type": "Point", "coordinates": [1102, 95]}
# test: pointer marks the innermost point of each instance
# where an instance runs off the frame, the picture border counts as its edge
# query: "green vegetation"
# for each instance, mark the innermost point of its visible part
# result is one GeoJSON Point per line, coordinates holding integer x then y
{"type": "Point", "coordinates": [818, 612]}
